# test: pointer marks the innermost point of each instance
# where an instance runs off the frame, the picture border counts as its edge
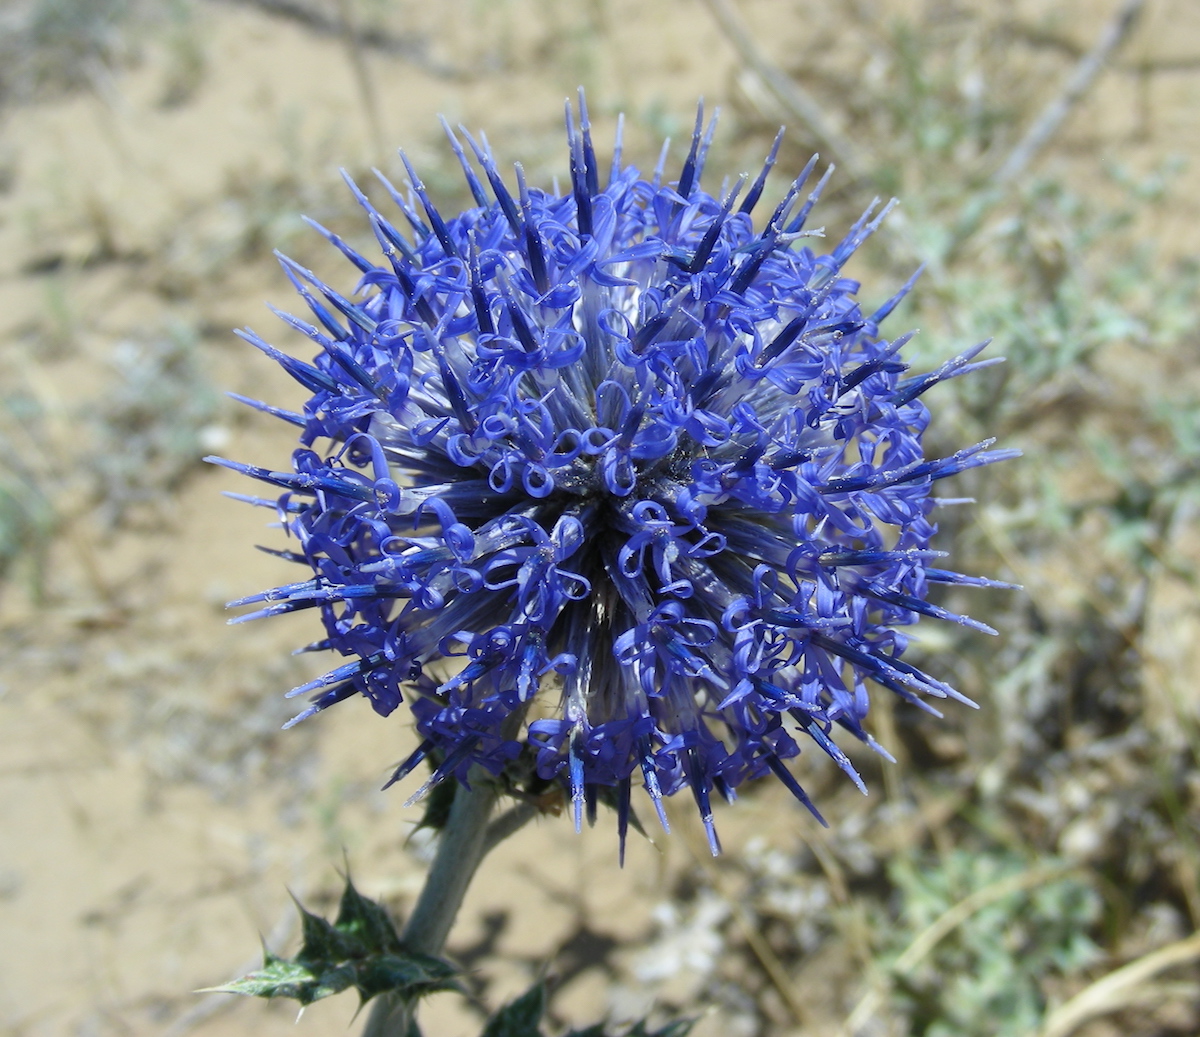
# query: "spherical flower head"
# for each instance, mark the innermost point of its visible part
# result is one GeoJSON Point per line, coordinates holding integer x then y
{"type": "Point", "coordinates": [610, 484]}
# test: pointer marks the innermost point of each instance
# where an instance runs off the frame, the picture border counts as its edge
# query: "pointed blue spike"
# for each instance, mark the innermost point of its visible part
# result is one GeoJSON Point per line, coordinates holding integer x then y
{"type": "Point", "coordinates": [355, 314]}
{"type": "Point", "coordinates": [296, 480]}
{"type": "Point", "coordinates": [484, 155]}
{"type": "Point", "coordinates": [292, 507]}
{"type": "Point", "coordinates": [962, 580]}
{"type": "Point", "coordinates": [865, 226]}
{"type": "Point", "coordinates": [308, 376]}
{"type": "Point", "coordinates": [699, 781]}
{"type": "Point", "coordinates": [379, 225]}
{"type": "Point", "coordinates": [341, 673]}
{"type": "Point", "coordinates": [618, 145]}
{"type": "Point", "coordinates": [402, 203]}
{"type": "Point", "coordinates": [706, 144]}
{"type": "Point", "coordinates": [687, 178]}
{"type": "Point", "coordinates": [818, 735]}
{"type": "Point", "coordinates": [288, 556]}
{"type": "Point", "coordinates": [294, 272]}
{"type": "Point", "coordinates": [592, 173]}
{"type": "Point", "coordinates": [793, 786]}
{"type": "Point", "coordinates": [650, 781]}
{"type": "Point", "coordinates": [410, 764]}
{"type": "Point", "coordinates": [276, 594]}
{"type": "Point", "coordinates": [460, 752]}
{"type": "Point", "coordinates": [624, 791]}
{"type": "Point", "coordinates": [483, 312]}
{"type": "Point", "coordinates": [888, 361]}
{"type": "Point", "coordinates": [521, 327]}
{"type": "Point", "coordinates": [876, 747]}
{"type": "Point", "coordinates": [388, 239]}
{"type": "Point", "coordinates": [781, 342]}
{"type": "Point", "coordinates": [533, 241]}
{"type": "Point", "coordinates": [748, 269]}
{"type": "Point", "coordinates": [708, 242]}
{"type": "Point", "coordinates": [728, 793]}
{"type": "Point", "coordinates": [579, 185]}
{"type": "Point", "coordinates": [923, 607]}
{"type": "Point", "coordinates": [779, 217]}
{"type": "Point", "coordinates": [364, 265]}
{"type": "Point", "coordinates": [450, 383]}
{"type": "Point", "coordinates": [911, 388]}
{"type": "Point", "coordinates": [814, 196]}
{"type": "Point", "coordinates": [435, 218]}
{"type": "Point", "coordinates": [330, 698]}
{"type": "Point", "coordinates": [756, 189]}
{"type": "Point", "coordinates": [575, 768]}
{"type": "Point", "coordinates": [289, 416]}
{"type": "Point", "coordinates": [473, 183]}
{"type": "Point", "coordinates": [661, 165]}
{"type": "Point", "coordinates": [336, 350]}
{"type": "Point", "coordinates": [884, 311]}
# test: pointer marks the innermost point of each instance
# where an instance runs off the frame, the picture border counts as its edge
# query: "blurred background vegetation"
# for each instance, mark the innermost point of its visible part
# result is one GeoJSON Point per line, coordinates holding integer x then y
{"type": "Point", "coordinates": [1029, 869]}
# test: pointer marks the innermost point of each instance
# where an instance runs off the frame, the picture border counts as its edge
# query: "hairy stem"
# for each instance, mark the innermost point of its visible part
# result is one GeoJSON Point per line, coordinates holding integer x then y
{"type": "Point", "coordinates": [462, 845]}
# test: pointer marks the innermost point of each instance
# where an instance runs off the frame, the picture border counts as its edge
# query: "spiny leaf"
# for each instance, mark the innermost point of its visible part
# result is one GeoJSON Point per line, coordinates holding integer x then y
{"type": "Point", "coordinates": [322, 941]}
{"type": "Point", "coordinates": [277, 978]}
{"type": "Point", "coordinates": [520, 1018]}
{"type": "Point", "coordinates": [366, 920]}
{"type": "Point", "coordinates": [679, 1028]}
{"type": "Point", "coordinates": [407, 973]}
{"type": "Point", "coordinates": [361, 949]}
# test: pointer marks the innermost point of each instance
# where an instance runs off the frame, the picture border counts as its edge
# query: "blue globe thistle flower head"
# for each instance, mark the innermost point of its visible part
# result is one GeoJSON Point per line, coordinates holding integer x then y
{"type": "Point", "coordinates": [610, 482]}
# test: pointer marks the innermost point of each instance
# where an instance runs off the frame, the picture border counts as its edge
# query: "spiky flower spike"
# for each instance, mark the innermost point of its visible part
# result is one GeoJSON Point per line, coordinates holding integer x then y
{"type": "Point", "coordinates": [648, 480]}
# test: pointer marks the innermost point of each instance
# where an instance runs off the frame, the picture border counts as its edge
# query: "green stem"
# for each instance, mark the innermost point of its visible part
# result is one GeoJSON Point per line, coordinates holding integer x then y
{"type": "Point", "coordinates": [462, 845]}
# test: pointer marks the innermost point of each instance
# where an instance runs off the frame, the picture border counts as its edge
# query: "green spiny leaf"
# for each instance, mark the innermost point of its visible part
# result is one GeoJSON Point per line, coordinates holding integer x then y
{"type": "Point", "coordinates": [323, 942]}
{"type": "Point", "coordinates": [416, 974]}
{"type": "Point", "coordinates": [678, 1028]}
{"type": "Point", "coordinates": [521, 1017]}
{"type": "Point", "coordinates": [282, 978]}
{"type": "Point", "coordinates": [367, 921]}
{"type": "Point", "coordinates": [361, 949]}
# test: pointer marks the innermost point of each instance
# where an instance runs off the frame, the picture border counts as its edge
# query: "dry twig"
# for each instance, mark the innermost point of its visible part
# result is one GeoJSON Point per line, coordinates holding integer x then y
{"type": "Point", "coordinates": [411, 47]}
{"type": "Point", "coordinates": [353, 39]}
{"type": "Point", "coordinates": [795, 100]}
{"type": "Point", "coordinates": [1123, 988]}
{"type": "Point", "coordinates": [215, 1004]}
{"type": "Point", "coordinates": [683, 823]}
{"type": "Point", "coordinates": [1047, 124]}
{"type": "Point", "coordinates": [943, 926]}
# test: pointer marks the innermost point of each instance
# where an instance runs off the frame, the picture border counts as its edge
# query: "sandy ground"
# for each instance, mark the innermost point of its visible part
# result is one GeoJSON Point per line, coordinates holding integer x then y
{"type": "Point", "coordinates": [152, 816]}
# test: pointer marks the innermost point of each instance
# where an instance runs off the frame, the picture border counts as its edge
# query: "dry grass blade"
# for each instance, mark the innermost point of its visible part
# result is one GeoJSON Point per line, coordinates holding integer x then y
{"type": "Point", "coordinates": [795, 100]}
{"type": "Point", "coordinates": [1122, 988]}
{"type": "Point", "coordinates": [683, 823]}
{"type": "Point", "coordinates": [1084, 75]}
{"type": "Point", "coordinates": [214, 1004]}
{"type": "Point", "coordinates": [362, 76]}
{"type": "Point", "coordinates": [800, 106]}
{"type": "Point", "coordinates": [409, 47]}
{"type": "Point", "coordinates": [942, 927]}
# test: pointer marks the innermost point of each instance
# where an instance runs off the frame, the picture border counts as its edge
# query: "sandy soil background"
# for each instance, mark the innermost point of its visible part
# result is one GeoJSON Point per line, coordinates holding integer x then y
{"type": "Point", "coordinates": [153, 816]}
